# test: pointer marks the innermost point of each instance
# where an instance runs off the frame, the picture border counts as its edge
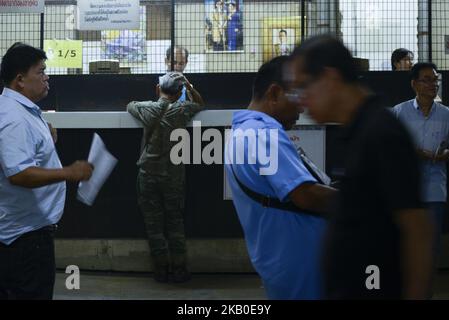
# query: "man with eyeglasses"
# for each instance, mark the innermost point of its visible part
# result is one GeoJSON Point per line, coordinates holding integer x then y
{"type": "Point", "coordinates": [378, 241]}
{"type": "Point", "coordinates": [428, 122]}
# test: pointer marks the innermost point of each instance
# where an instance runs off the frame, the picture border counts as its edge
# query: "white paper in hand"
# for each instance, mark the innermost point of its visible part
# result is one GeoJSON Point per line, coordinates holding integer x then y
{"type": "Point", "coordinates": [103, 163]}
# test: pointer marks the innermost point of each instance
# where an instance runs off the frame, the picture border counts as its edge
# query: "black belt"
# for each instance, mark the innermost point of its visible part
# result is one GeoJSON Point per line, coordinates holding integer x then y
{"type": "Point", "coordinates": [50, 228]}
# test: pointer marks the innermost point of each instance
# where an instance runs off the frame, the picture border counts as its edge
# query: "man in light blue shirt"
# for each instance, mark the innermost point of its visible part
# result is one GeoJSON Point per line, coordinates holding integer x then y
{"type": "Point", "coordinates": [283, 231]}
{"type": "Point", "coordinates": [428, 123]}
{"type": "Point", "coordinates": [32, 179]}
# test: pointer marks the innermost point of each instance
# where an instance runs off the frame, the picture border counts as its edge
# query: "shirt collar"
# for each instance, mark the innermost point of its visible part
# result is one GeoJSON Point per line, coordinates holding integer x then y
{"type": "Point", "coordinates": [244, 115]}
{"type": "Point", "coordinates": [20, 98]}
{"type": "Point", "coordinates": [416, 105]}
{"type": "Point", "coordinates": [165, 102]}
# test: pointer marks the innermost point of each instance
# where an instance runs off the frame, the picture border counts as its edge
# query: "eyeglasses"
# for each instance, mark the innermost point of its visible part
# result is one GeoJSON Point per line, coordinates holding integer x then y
{"type": "Point", "coordinates": [294, 95]}
{"type": "Point", "coordinates": [429, 82]}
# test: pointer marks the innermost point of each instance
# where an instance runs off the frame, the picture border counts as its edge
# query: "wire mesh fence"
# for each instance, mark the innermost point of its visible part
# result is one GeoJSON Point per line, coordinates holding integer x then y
{"type": "Point", "coordinates": [230, 35]}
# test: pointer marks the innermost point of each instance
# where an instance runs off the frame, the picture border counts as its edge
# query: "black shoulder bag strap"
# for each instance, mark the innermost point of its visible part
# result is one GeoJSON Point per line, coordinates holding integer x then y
{"type": "Point", "coordinates": [267, 201]}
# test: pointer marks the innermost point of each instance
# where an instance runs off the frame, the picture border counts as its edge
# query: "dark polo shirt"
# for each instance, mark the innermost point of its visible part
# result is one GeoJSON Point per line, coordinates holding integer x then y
{"type": "Point", "coordinates": [381, 176]}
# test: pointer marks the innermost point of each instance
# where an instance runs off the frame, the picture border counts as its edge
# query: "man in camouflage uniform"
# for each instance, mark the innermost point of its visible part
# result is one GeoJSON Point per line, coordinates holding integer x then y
{"type": "Point", "coordinates": [160, 183]}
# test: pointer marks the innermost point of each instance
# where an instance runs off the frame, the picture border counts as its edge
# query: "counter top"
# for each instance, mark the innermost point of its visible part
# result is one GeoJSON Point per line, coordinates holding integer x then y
{"type": "Point", "coordinates": [122, 120]}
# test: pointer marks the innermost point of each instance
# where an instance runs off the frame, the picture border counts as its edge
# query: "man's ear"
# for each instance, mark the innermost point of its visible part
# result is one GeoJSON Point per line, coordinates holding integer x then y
{"type": "Point", "coordinates": [413, 84]}
{"type": "Point", "coordinates": [19, 80]}
{"type": "Point", "coordinates": [168, 64]}
{"type": "Point", "coordinates": [273, 92]}
{"type": "Point", "coordinates": [332, 74]}
{"type": "Point", "coordinates": [158, 90]}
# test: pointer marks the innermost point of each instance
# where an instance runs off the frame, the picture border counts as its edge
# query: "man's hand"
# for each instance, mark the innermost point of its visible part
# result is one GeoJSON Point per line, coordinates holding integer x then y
{"type": "Point", "coordinates": [53, 132]}
{"type": "Point", "coordinates": [79, 171]}
{"type": "Point", "coordinates": [426, 155]}
{"type": "Point", "coordinates": [315, 197]}
{"type": "Point", "coordinates": [187, 84]}
{"type": "Point", "coordinates": [193, 94]}
{"type": "Point", "coordinates": [442, 156]}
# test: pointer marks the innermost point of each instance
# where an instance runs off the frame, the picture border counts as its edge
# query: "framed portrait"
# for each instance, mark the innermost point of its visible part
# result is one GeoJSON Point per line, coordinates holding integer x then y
{"type": "Point", "coordinates": [223, 25]}
{"type": "Point", "coordinates": [280, 36]}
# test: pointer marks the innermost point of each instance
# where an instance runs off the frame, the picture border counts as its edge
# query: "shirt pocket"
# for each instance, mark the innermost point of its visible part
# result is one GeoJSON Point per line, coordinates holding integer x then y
{"type": "Point", "coordinates": [45, 150]}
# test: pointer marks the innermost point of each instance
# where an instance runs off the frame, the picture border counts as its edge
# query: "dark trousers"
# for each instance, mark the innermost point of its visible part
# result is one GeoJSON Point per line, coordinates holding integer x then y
{"type": "Point", "coordinates": [437, 211]}
{"type": "Point", "coordinates": [161, 200]}
{"type": "Point", "coordinates": [27, 266]}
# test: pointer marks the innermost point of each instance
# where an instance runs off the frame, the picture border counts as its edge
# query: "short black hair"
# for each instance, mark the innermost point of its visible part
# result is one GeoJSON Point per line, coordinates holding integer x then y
{"type": "Point", "coordinates": [324, 51]}
{"type": "Point", "coordinates": [184, 51]}
{"type": "Point", "coordinates": [19, 58]}
{"type": "Point", "coordinates": [282, 30]}
{"type": "Point", "coordinates": [416, 69]}
{"type": "Point", "coordinates": [270, 73]}
{"type": "Point", "coordinates": [398, 55]}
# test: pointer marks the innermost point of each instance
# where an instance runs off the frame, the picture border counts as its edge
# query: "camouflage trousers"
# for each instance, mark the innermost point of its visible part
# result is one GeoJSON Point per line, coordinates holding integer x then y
{"type": "Point", "coordinates": [161, 200]}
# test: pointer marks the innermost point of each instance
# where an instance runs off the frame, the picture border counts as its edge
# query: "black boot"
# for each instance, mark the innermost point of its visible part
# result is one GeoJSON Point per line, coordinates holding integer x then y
{"type": "Point", "coordinates": [161, 274]}
{"type": "Point", "coordinates": [179, 268]}
{"type": "Point", "coordinates": [160, 269]}
{"type": "Point", "coordinates": [181, 274]}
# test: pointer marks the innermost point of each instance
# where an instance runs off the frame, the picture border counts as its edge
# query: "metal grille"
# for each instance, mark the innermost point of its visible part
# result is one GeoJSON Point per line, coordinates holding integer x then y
{"type": "Point", "coordinates": [238, 35]}
{"type": "Point", "coordinates": [440, 33]}
{"type": "Point", "coordinates": [373, 29]}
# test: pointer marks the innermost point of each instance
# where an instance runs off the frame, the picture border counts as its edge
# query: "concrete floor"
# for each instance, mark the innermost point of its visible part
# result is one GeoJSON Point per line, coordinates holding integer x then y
{"type": "Point", "coordinates": [105, 286]}
{"type": "Point", "coordinates": [140, 286]}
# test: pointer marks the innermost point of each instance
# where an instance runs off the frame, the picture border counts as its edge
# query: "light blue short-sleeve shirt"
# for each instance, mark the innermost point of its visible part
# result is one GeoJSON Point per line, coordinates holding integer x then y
{"type": "Point", "coordinates": [183, 96]}
{"type": "Point", "coordinates": [284, 247]}
{"type": "Point", "coordinates": [428, 134]}
{"type": "Point", "coordinates": [26, 141]}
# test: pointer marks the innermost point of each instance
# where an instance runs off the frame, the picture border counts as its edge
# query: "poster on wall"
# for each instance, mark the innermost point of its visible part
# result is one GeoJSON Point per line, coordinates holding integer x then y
{"type": "Point", "coordinates": [280, 36]}
{"type": "Point", "coordinates": [107, 14]}
{"type": "Point", "coordinates": [29, 6]}
{"type": "Point", "coordinates": [126, 46]}
{"type": "Point", "coordinates": [224, 25]}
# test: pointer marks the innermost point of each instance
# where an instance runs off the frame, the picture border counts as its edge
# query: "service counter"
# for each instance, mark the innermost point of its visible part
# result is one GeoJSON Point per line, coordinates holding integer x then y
{"type": "Point", "coordinates": [110, 234]}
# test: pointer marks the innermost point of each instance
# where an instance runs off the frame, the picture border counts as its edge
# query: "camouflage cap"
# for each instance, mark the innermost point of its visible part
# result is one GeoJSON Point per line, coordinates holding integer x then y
{"type": "Point", "coordinates": [171, 82]}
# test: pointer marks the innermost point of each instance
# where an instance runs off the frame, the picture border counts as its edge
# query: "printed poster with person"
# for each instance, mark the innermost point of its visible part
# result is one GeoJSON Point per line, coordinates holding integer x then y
{"type": "Point", "coordinates": [224, 25]}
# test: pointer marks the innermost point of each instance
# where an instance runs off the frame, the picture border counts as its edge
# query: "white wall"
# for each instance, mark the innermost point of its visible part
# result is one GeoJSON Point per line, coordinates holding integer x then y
{"type": "Point", "coordinates": [190, 32]}
{"type": "Point", "coordinates": [373, 29]}
{"type": "Point", "coordinates": [18, 27]}
{"type": "Point", "coordinates": [440, 28]}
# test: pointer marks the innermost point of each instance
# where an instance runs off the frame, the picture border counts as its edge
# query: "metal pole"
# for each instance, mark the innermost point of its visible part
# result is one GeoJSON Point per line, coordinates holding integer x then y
{"type": "Point", "coordinates": [172, 36]}
{"type": "Point", "coordinates": [429, 27]}
{"type": "Point", "coordinates": [42, 32]}
{"type": "Point", "coordinates": [303, 24]}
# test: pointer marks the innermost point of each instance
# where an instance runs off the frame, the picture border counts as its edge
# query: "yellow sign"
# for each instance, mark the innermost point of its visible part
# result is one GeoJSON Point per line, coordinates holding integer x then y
{"type": "Point", "coordinates": [64, 53]}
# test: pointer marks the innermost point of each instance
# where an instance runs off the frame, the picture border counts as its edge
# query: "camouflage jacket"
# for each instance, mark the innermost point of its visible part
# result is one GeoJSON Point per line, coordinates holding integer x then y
{"type": "Point", "coordinates": [159, 120]}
